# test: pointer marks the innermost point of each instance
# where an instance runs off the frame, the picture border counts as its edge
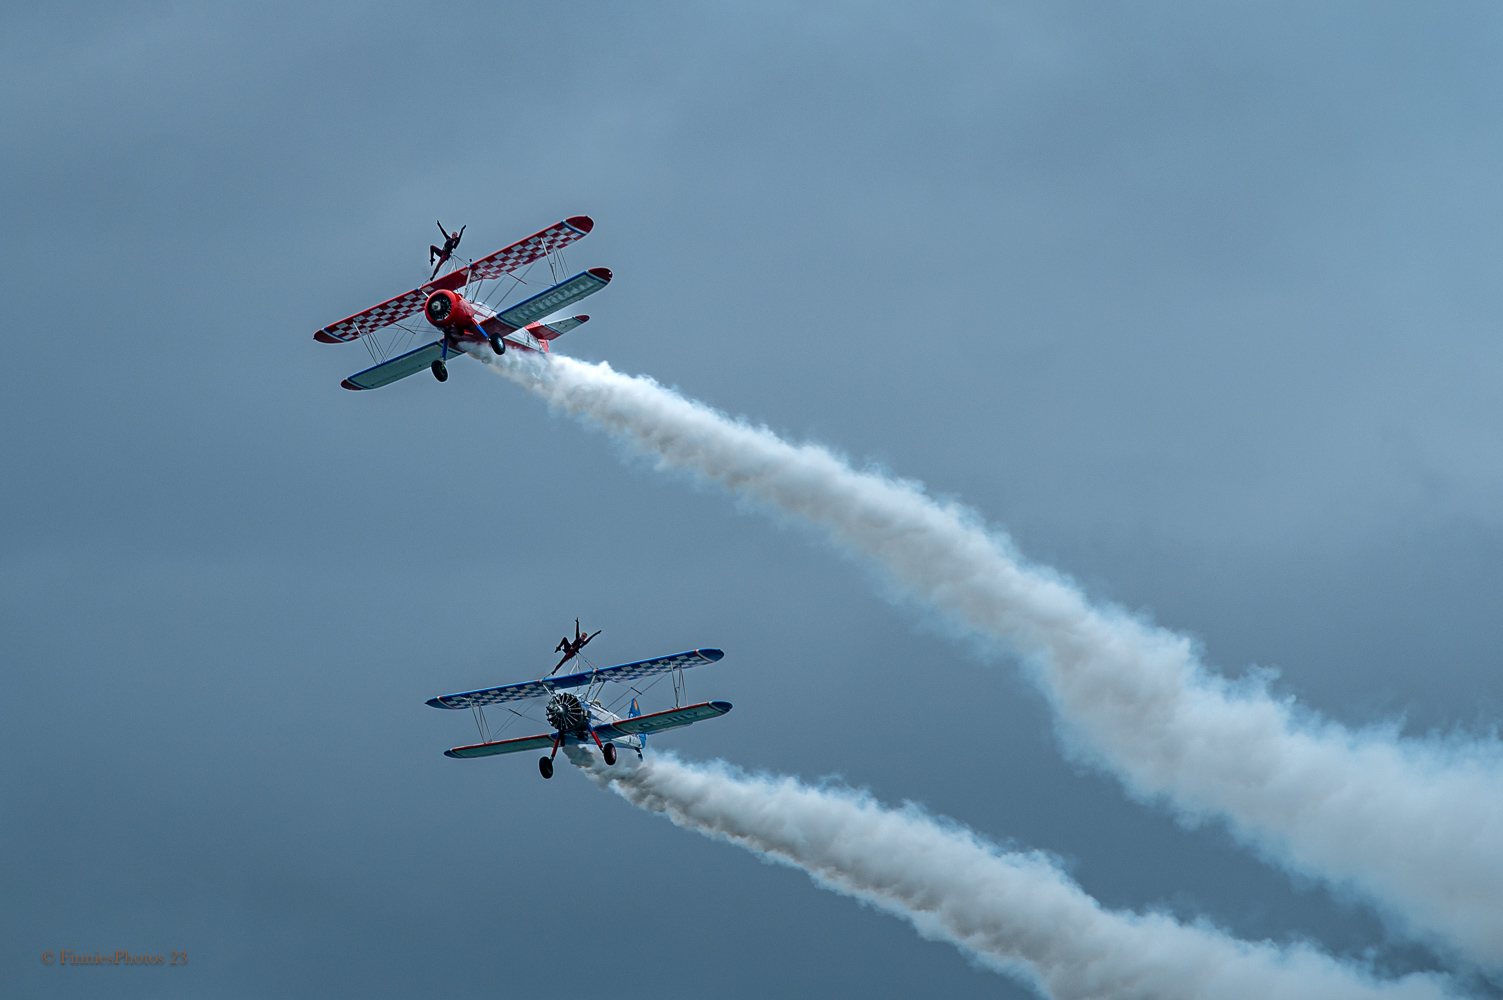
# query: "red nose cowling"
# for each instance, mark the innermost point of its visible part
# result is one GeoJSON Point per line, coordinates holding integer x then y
{"type": "Point", "coordinates": [447, 309]}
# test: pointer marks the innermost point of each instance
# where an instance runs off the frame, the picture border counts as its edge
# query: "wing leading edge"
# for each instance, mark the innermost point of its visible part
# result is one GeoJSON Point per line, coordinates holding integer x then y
{"type": "Point", "coordinates": [620, 673]}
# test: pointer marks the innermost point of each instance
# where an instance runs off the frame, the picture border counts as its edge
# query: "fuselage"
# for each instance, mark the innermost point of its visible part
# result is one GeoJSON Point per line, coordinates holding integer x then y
{"type": "Point", "coordinates": [575, 718]}
{"type": "Point", "coordinates": [468, 326]}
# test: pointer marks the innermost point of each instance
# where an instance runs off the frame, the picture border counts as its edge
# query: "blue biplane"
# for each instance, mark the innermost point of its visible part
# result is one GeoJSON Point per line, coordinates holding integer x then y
{"type": "Point", "coordinates": [581, 718]}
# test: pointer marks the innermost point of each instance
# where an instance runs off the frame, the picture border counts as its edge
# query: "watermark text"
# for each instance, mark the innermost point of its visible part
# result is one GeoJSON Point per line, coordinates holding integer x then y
{"type": "Point", "coordinates": [63, 956]}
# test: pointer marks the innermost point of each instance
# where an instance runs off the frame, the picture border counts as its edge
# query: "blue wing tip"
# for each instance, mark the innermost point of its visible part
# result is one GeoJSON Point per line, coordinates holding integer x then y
{"type": "Point", "coordinates": [451, 753]}
{"type": "Point", "coordinates": [436, 703]}
{"type": "Point", "coordinates": [721, 706]}
{"type": "Point", "coordinates": [711, 654]}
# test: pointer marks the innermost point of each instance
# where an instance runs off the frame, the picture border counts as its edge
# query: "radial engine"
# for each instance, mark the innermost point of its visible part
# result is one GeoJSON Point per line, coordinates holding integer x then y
{"type": "Point", "coordinates": [566, 713]}
{"type": "Point", "coordinates": [446, 309]}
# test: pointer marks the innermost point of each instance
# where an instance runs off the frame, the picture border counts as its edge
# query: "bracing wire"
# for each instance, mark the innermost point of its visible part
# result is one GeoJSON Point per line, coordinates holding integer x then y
{"type": "Point", "coordinates": [639, 692]}
{"type": "Point", "coordinates": [516, 282]}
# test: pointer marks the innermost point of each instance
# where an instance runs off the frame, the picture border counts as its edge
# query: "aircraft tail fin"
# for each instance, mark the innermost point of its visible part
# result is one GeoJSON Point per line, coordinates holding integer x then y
{"type": "Point", "coordinates": [632, 713]}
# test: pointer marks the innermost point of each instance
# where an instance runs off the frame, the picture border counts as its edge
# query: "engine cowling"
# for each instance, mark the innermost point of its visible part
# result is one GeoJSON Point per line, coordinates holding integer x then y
{"type": "Point", "coordinates": [446, 309]}
{"type": "Point", "coordinates": [566, 713]}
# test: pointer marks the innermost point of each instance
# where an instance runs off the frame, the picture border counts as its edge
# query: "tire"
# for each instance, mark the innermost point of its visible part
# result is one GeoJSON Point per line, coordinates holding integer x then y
{"type": "Point", "coordinates": [545, 765]}
{"type": "Point", "coordinates": [497, 344]}
{"type": "Point", "coordinates": [440, 371]}
{"type": "Point", "coordinates": [610, 753]}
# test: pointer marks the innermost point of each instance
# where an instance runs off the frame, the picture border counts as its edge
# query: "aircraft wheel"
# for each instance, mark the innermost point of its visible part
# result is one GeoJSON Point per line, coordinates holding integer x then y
{"type": "Point", "coordinates": [440, 371]}
{"type": "Point", "coordinates": [545, 765]}
{"type": "Point", "coordinates": [610, 753]}
{"type": "Point", "coordinates": [497, 344]}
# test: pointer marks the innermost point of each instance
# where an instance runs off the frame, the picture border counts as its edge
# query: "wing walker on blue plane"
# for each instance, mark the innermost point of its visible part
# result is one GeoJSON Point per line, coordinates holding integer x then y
{"type": "Point", "coordinates": [578, 717]}
{"type": "Point", "coordinates": [571, 649]}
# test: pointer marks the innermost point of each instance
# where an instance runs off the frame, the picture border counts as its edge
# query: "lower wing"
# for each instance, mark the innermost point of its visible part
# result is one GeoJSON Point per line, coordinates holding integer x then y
{"type": "Point", "coordinates": [505, 746]}
{"type": "Point", "coordinates": [398, 367]}
{"type": "Point", "coordinates": [659, 721]}
{"type": "Point", "coordinates": [656, 723]}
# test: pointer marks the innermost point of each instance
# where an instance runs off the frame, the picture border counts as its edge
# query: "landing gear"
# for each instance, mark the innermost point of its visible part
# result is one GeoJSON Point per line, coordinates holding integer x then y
{"type": "Point", "coordinates": [497, 344]}
{"type": "Point", "coordinates": [440, 371]}
{"type": "Point", "coordinates": [610, 753]}
{"type": "Point", "coordinates": [545, 765]}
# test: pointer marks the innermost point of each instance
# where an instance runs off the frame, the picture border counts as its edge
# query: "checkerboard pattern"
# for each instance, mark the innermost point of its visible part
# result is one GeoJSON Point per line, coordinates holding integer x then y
{"type": "Point", "coordinates": [620, 674]}
{"type": "Point", "coordinates": [520, 254]}
{"type": "Point", "coordinates": [534, 247]}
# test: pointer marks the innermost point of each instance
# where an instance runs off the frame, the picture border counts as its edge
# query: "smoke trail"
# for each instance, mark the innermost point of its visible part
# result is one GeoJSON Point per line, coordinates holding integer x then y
{"type": "Point", "coordinates": [1016, 912]}
{"type": "Point", "coordinates": [1416, 825]}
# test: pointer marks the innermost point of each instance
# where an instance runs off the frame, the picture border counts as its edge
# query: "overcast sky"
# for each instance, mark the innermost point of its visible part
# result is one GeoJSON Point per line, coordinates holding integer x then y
{"type": "Point", "coordinates": [1200, 303]}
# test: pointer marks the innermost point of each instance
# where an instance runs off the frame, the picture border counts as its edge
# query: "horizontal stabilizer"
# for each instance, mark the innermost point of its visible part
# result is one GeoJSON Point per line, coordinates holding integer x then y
{"type": "Point", "coordinates": [674, 718]}
{"type": "Point", "coordinates": [621, 673]}
{"type": "Point", "coordinates": [560, 296]}
{"type": "Point", "coordinates": [398, 367]}
{"type": "Point", "coordinates": [559, 327]}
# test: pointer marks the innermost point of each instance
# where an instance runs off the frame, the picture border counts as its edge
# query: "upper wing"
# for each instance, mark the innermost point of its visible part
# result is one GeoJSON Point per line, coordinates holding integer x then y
{"type": "Point", "coordinates": [623, 672]}
{"type": "Point", "coordinates": [519, 254]}
{"type": "Point", "coordinates": [491, 696]}
{"type": "Point", "coordinates": [536, 689]}
{"type": "Point", "coordinates": [389, 312]}
{"type": "Point", "coordinates": [659, 721]}
{"type": "Point", "coordinates": [534, 247]}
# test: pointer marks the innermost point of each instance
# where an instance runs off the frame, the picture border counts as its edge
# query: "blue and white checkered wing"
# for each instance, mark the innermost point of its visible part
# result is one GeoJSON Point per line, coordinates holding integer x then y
{"type": "Point", "coordinates": [490, 696]}
{"type": "Point", "coordinates": [621, 673]}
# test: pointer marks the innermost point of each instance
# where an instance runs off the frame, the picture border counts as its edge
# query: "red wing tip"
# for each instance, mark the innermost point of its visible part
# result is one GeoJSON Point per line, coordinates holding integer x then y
{"type": "Point", "coordinates": [347, 384]}
{"type": "Point", "coordinates": [603, 273]}
{"type": "Point", "coordinates": [323, 337]}
{"type": "Point", "coordinates": [581, 222]}
{"type": "Point", "coordinates": [581, 318]}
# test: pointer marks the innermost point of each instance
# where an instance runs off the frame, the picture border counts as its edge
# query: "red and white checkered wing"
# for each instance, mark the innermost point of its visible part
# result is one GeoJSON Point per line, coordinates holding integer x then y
{"type": "Point", "coordinates": [376, 317]}
{"type": "Point", "coordinates": [519, 254]}
{"type": "Point", "coordinates": [534, 247]}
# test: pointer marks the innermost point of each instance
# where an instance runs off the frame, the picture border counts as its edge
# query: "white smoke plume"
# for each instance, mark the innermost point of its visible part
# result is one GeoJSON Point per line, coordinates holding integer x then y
{"type": "Point", "coordinates": [1016, 912]}
{"type": "Point", "coordinates": [1414, 825]}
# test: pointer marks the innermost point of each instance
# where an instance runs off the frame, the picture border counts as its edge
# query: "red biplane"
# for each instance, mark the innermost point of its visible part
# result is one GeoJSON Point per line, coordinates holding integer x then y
{"type": "Point", "coordinates": [454, 303]}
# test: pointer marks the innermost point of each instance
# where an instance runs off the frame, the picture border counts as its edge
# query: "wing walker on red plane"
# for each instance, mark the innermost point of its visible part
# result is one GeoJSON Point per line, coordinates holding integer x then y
{"type": "Point", "coordinates": [455, 304]}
